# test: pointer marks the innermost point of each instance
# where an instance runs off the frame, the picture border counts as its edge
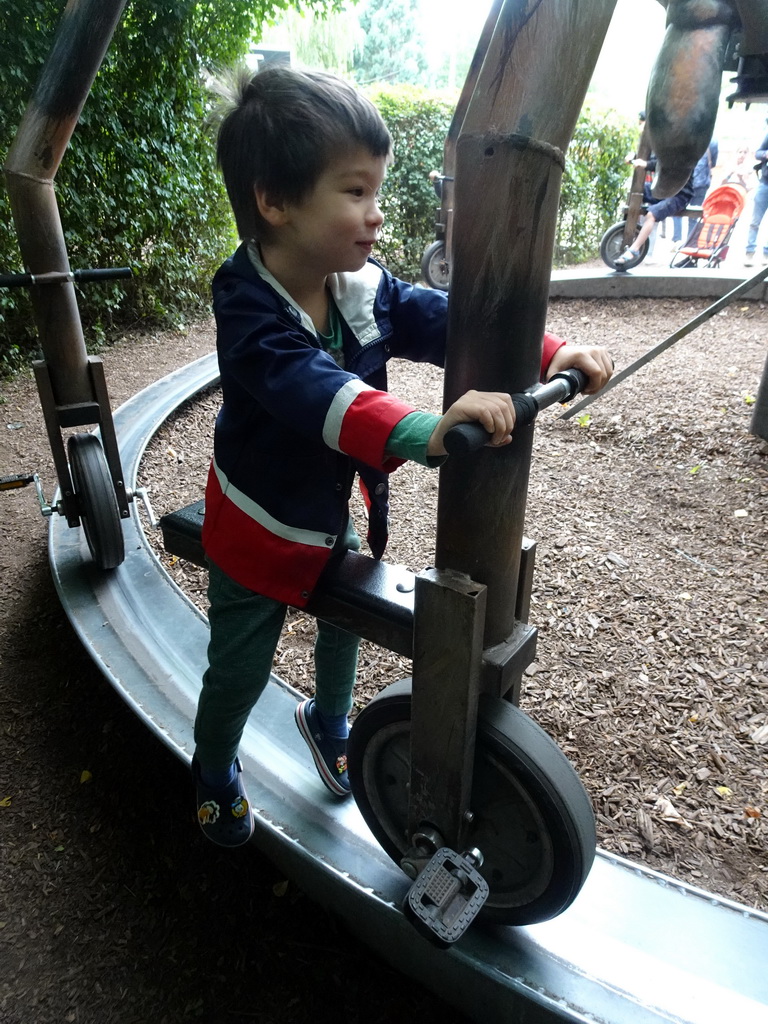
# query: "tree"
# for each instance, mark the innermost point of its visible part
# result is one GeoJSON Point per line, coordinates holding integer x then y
{"type": "Point", "coordinates": [391, 52]}
{"type": "Point", "coordinates": [326, 41]}
{"type": "Point", "coordinates": [138, 185]}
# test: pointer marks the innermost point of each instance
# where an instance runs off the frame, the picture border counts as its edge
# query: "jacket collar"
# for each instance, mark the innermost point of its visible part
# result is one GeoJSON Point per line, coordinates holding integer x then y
{"type": "Point", "coordinates": [254, 258]}
{"type": "Point", "coordinates": [354, 294]}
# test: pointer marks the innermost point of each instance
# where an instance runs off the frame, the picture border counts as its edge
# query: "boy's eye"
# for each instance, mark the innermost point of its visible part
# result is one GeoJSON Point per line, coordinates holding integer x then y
{"type": "Point", "coordinates": [358, 190]}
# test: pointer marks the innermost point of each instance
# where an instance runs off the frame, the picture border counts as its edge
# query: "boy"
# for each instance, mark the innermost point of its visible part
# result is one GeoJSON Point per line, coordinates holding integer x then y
{"type": "Point", "coordinates": [306, 323]}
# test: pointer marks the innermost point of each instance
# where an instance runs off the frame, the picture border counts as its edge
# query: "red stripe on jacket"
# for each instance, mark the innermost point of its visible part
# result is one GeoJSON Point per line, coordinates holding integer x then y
{"type": "Point", "coordinates": [366, 427]}
{"type": "Point", "coordinates": [550, 345]}
{"type": "Point", "coordinates": [253, 556]}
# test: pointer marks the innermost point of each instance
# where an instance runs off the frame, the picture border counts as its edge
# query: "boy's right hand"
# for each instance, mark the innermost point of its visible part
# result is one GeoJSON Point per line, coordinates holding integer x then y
{"type": "Point", "coordinates": [492, 409]}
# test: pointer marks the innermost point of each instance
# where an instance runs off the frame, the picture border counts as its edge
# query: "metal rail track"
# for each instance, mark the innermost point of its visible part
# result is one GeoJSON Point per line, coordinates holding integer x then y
{"type": "Point", "coordinates": [636, 947]}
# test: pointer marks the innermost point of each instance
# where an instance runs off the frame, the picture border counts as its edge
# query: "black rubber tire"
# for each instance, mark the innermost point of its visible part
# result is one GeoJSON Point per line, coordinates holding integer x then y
{"type": "Point", "coordinates": [435, 268]}
{"type": "Point", "coordinates": [533, 819]}
{"type": "Point", "coordinates": [96, 501]}
{"type": "Point", "coordinates": [612, 246]}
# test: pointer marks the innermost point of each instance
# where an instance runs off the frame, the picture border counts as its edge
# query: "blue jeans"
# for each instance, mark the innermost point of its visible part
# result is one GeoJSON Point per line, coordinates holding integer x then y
{"type": "Point", "coordinates": [759, 206]}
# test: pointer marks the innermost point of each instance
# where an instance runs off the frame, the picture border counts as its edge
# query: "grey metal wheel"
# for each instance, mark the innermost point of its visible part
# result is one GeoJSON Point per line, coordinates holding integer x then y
{"type": "Point", "coordinates": [435, 267]}
{"type": "Point", "coordinates": [96, 501]}
{"type": "Point", "coordinates": [533, 820]}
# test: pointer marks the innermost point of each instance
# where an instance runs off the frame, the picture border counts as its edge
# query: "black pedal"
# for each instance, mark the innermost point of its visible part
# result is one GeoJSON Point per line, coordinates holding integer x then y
{"type": "Point", "coordinates": [9, 483]}
{"type": "Point", "coordinates": [447, 896]}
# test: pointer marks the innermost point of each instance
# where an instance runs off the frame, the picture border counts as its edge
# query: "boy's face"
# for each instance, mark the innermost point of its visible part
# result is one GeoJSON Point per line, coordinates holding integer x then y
{"type": "Point", "coordinates": [335, 227]}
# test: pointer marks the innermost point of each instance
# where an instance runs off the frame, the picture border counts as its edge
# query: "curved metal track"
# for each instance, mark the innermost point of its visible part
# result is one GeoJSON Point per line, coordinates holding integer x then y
{"type": "Point", "coordinates": [635, 947]}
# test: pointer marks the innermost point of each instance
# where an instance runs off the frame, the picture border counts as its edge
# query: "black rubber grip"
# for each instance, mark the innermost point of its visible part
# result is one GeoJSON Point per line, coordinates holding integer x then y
{"type": "Point", "coordinates": [15, 280]}
{"type": "Point", "coordinates": [465, 438]}
{"type": "Point", "coordinates": [575, 379]}
{"type": "Point", "coordinates": [102, 273]}
{"type": "Point", "coordinates": [471, 437]}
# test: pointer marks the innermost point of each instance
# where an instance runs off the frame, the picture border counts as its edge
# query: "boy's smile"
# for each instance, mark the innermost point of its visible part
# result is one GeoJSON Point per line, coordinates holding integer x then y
{"type": "Point", "coordinates": [336, 226]}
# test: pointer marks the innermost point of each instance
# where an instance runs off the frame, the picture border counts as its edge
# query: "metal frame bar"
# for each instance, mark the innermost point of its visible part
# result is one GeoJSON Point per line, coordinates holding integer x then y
{"type": "Point", "coordinates": [71, 389]}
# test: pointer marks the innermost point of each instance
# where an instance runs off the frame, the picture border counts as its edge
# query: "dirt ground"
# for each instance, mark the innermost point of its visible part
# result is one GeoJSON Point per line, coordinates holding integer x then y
{"type": "Point", "coordinates": [651, 599]}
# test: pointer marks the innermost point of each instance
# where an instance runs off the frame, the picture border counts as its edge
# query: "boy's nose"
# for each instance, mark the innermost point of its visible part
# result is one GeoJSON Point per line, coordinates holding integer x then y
{"type": "Point", "coordinates": [375, 216]}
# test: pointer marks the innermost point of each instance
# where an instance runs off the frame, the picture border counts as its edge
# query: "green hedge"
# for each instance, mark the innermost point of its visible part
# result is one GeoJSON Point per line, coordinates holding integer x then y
{"type": "Point", "coordinates": [594, 184]}
{"type": "Point", "coordinates": [418, 122]}
{"type": "Point", "coordinates": [138, 185]}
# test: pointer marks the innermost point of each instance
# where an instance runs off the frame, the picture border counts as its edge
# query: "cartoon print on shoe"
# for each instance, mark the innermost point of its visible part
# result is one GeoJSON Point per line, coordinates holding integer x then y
{"type": "Point", "coordinates": [224, 813]}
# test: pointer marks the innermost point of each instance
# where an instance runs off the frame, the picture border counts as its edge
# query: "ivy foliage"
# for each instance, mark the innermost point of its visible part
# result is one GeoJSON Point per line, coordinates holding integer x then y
{"type": "Point", "coordinates": [138, 185]}
{"type": "Point", "coordinates": [594, 186]}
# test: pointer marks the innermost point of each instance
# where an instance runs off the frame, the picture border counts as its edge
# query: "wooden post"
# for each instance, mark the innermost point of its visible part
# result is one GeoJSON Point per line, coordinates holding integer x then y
{"type": "Point", "coordinates": [449, 149]}
{"type": "Point", "coordinates": [759, 425]}
{"type": "Point", "coordinates": [445, 701]}
{"type": "Point", "coordinates": [510, 159]}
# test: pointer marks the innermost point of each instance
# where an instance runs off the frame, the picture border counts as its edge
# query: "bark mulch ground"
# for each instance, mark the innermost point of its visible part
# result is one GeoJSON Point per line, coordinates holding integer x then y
{"type": "Point", "coordinates": [651, 600]}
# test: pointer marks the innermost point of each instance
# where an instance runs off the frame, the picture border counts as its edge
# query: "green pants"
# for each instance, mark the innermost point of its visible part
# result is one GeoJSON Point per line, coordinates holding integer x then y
{"type": "Point", "coordinates": [245, 629]}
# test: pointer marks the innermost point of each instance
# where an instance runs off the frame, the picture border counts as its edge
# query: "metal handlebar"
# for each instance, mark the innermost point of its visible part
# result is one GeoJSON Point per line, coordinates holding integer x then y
{"type": "Point", "coordinates": [60, 276]}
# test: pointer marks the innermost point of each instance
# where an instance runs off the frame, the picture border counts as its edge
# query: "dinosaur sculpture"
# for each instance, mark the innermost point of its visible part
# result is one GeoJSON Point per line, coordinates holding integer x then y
{"type": "Point", "coordinates": [684, 89]}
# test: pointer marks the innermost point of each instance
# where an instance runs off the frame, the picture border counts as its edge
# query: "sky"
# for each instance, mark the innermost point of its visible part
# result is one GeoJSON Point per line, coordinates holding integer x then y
{"type": "Point", "coordinates": [621, 75]}
{"type": "Point", "coordinates": [449, 19]}
{"type": "Point", "coordinates": [620, 79]}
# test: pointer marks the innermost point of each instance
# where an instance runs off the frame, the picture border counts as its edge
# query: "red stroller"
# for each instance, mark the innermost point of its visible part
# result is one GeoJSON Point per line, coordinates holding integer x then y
{"type": "Point", "coordinates": [708, 238]}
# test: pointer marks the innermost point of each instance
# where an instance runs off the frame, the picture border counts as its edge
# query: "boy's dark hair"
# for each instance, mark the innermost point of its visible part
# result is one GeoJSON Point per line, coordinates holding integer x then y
{"type": "Point", "coordinates": [281, 133]}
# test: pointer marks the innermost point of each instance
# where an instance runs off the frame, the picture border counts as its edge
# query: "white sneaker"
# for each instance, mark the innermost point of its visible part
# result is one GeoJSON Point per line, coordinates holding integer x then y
{"type": "Point", "coordinates": [749, 260]}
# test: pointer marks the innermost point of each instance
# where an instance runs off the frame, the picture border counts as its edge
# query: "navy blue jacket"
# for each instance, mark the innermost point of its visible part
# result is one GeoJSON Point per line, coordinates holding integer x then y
{"type": "Point", "coordinates": [294, 427]}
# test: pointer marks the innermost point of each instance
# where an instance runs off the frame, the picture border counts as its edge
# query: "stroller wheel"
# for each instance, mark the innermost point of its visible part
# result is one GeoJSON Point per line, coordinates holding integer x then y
{"type": "Point", "coordinates": [683, 263]}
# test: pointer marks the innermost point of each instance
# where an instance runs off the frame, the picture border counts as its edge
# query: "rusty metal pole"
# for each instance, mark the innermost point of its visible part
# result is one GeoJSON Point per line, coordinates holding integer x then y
{"type": "Point", "coordinates": [82, 38]}
{"type": "Point", "coordinates": [510, 159]}
{"type": "Point", "coordinates": [636, 188]}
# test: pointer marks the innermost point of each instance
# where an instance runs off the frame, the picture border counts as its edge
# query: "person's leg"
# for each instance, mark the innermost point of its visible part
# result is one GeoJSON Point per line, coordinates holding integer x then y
{"type": "Point", "coordinates": [759, 206]}
{"type": "Point", "coordinates": [677, 230]}
{"type": "Point", "coordinates": [322, 720]}
{"type": "Point", "coordinates": [245, 629]}
{"type": "Point", "coordinates": [336, 654]}
{"type": "Point", "coordinates": [764, 204]}
{"type": "Point", "coordinates": [634, 250]}
{"type": "Point", "coordinates": [654, 233]}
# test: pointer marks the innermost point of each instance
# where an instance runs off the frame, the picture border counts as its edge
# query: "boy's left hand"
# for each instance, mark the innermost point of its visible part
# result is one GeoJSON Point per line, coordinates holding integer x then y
{"type": "Point", "coordinates": [593, 360]}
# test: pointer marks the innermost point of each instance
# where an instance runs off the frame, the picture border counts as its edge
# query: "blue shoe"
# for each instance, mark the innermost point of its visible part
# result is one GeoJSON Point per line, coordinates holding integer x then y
{"type": "Point", "coordinates": [223, 812]}
{"type": "Point", "coordinates": [330, 754]}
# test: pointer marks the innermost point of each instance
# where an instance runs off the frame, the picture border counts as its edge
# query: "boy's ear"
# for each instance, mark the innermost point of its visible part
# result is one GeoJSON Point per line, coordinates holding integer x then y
{"type": "Point", "coordinates": [271, 209]}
